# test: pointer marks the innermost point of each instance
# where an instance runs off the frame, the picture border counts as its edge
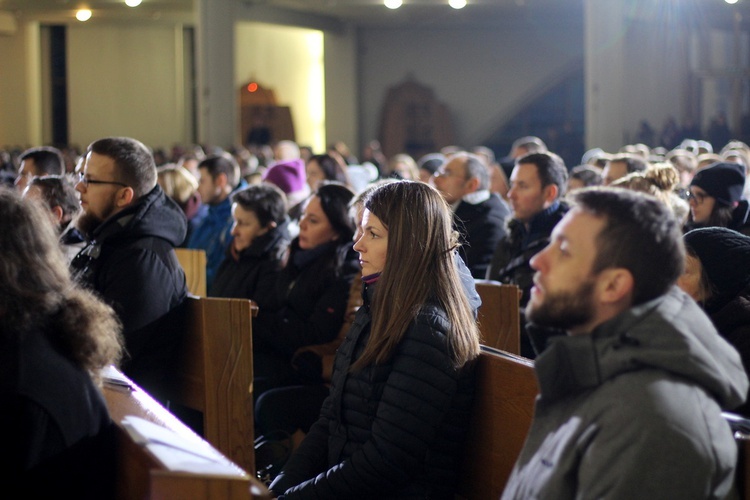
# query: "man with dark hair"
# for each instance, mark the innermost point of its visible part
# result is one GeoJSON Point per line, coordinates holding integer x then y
{"type": "Point", "coordinates": [132, 228]}
{"type": "Point", "coordinates": [631, 398]}
{"type": "Point", "coordinates": [219, 177]}
{"type": "Point", "coordinates": [537, 183]}
{"type": "Point", "coordinates": [57, 193]}
{"type": "Point", "coordinates": [478, 215]}
{"type": "Point", "coordinates": [34, 162]}
{"type": "Point", "coordinates": [622, 165]}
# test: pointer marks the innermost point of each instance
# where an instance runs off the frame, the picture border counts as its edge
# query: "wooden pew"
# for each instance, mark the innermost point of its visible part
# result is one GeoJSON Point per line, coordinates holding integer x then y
{"type": "Point", "coordinates": [193, 262]}
{"type": "Point", "coordinates": [503, 409]}
{"type": "Point", "coordinates": [213, 374]}
{"type": "Point", "coordinates": [499, 316]}
{"type": "Point", "coordinates": [141, 475]}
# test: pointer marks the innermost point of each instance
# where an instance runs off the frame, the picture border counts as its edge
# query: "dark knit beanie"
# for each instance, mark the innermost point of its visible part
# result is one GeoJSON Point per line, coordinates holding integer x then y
{"type": "Point", "coordinates": [725, 258]}
{"type": "Point", "coordinates": [723, 181]}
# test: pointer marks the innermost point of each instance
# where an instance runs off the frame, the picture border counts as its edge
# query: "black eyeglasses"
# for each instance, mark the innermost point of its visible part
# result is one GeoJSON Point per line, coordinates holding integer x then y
{"type": "Point", "coordinates": [83, 180]}
{"type": "Point", "coordinates": [696, 197]}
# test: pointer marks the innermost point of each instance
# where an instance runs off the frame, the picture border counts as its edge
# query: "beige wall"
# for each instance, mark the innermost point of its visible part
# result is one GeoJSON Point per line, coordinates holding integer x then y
{"type": "Point", "coordinates": [20, 90]}
{"type": "Point", "coordinates": [290, 61]}
{"type": "Point", "coordinates": [127, 80]}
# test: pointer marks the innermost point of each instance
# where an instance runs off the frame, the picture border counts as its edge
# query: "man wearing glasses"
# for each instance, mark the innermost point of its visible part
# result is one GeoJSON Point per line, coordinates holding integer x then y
{"type": "Point", "coordinates": [132, 229]}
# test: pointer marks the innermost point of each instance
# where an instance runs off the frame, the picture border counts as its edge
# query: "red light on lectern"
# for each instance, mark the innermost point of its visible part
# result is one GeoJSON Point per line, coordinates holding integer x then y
{"type": "Point", "coordinates": [252, 87]}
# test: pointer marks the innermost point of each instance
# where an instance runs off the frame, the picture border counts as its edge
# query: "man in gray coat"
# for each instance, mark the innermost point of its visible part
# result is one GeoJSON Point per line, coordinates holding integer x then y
{"type": "Point", "coordinates": [631, 398]}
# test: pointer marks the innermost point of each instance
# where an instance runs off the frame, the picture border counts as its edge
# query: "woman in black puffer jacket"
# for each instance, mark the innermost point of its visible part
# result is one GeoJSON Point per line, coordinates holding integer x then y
{"type": "Point", "coordinates": [310, 293]}
{"type": "Point", "coordinates": [394, 422]}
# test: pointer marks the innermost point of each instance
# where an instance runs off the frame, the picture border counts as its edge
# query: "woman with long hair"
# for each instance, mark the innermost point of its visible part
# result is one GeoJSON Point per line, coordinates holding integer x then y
{"type": "Point", "coordinates": [55, 338]}
{"type": "Point", "coordinates": [311, 291]}
{"type": "Point", "coordinates": [394, 421]}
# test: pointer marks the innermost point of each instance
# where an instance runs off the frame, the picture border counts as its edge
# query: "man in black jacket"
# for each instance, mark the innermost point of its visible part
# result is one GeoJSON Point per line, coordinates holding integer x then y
{"type": "Point", "coordinates": [132, 228]}
{"type": "Point", "coordinates": [537, 184]}
{"type": "Point", "coordinates": [478, 215]}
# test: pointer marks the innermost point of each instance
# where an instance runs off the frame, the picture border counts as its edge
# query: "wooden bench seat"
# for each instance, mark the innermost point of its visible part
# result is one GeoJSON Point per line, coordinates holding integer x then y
{"type": "Point", "coordinates": [501, 418]}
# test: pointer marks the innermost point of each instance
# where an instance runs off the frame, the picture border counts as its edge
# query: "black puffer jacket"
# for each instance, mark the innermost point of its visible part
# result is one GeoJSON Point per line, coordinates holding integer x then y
{"type": "Point", "coordinates": [130, 263]}
{"type": "Point", "coordinates": [252, 274]}
{"type": "Point", "coordinates": [311, 294]}
{"type": "Point", "coordinates": [393, 430]}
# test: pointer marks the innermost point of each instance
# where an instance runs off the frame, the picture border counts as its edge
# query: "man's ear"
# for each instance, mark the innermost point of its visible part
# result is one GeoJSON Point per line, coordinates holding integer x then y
{"type": "Point", "coordinates": [550, 193]}
{"type": "Point", "coordinates": [57, 213]}
{"type": "Point", "coordinates": [124, 197]}
{"type": "Point", "coordinates": [615, 285]}
{"type": "Point", "coordinates": [472, 185]}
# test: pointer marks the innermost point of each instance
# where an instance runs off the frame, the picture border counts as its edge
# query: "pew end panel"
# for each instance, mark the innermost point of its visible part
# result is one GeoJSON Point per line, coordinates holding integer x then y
{"type": "Point", "coordinates": [213, 373]}
{"type": "Point", "coordinates": [499, 315]}
{"type": "Point", "coordinates": [501, 417]}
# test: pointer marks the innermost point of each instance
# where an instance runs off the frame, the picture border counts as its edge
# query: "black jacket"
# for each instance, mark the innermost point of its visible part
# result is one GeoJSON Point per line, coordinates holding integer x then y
{"type": "Point", "coordinates": [482, 226]}
{"type": "Point", "coordinates": [311, 294]}
{"type": "Point", "coordinates": [393, 430]}
{"type": "Point", "coordinates": [732, 320]}
{"type": "Point", "coordinates": [130, 262]}
{"type": "Point", "coordinates": [510, 263]}
{"type": "Point", "coordinates": [58, 435]}
{"type": "Point", "coordinates": [252, 274]}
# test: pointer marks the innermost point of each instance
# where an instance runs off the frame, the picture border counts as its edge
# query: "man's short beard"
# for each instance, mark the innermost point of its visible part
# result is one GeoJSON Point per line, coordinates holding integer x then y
{"type": "Point", "coordinates": [564, 310]}
{"type": "Point", "coordinates": [87, 223]}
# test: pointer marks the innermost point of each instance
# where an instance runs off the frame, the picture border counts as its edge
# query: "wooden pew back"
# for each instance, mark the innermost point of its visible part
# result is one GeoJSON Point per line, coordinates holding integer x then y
{"type": "Point", "coordinates": [140, 475]}
{"type": "Point", "coordinates": [213, 373]}
{"type": "Point", "coordinates": [193, 262]}
{"type": "Point", "coordinates": [499, 316]}
{"type": "Point", "coordinates": [503, 409]}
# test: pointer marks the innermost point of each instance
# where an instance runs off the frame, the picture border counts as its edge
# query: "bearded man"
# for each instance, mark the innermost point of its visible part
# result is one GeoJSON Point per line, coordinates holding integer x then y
{"type": "Point", "coordinates": [132, 228]}
{"type": "Point", "coordinates": [631, 397]}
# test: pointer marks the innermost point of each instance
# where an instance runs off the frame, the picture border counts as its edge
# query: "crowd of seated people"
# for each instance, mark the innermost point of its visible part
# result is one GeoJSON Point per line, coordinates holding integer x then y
{"type": "Point", "coordinates": [278, 229]}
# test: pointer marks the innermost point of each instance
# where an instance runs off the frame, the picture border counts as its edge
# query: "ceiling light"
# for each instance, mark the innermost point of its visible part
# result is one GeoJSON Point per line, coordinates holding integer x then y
{"type": "Point", "coordinates": [731, 2]}
{"type": "Point", "coordinates": [393, 4]}
{"type": "Point", "coordinates": [457, 4]}
{"type": "Point", "coordinates": [133, 3]}
{"type": "Point", "coordinates": [83, 15]}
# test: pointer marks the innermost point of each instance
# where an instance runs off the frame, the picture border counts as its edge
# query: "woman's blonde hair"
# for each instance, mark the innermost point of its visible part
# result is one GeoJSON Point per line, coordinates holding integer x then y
{"type": "Point", "coordinates": [419, 268]}
{"type": "Point", "coordinates": [177, 182]}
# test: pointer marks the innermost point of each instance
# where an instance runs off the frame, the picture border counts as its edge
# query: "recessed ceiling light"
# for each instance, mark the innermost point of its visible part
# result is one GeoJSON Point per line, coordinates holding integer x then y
{"type": "Point", "coordinates": [731, 2]}
{"type": "Point", "coordinates": [133, 3]}
{"type": "Point", "coordinates": [457, 4]}
{"type": "Point", "coordinates": [83, 15]}
{"type": "Point", "coordinates": [393, 4]}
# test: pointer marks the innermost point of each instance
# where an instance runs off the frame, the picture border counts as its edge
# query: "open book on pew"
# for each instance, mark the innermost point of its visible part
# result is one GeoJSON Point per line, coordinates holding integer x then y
{"type": "Point", "coordinates": [177, 453]}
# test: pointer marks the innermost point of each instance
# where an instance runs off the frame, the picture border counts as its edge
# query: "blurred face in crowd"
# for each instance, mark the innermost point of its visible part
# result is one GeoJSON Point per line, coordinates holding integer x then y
{"type": "Point", "coordinates": [314, 227]}
{"type": "Point", "coordinates": [246, 227]}
{"type": "Point", "coordinates": [207, 187]}
{"type": "Point", "coordinates": [527, 197]}
{"type": "Point", "coordinates": [26, 171]}
{"type": "Point", "coordinates": [690, 280]}
{"type": "Point", "coordinates": [701, 204]}
{"type": "Point", "coordinates": [451, 181]}
{"type": "Point", "coordinates": [613, 171]}
{"type": "Point", "coordinates": [314, 174]}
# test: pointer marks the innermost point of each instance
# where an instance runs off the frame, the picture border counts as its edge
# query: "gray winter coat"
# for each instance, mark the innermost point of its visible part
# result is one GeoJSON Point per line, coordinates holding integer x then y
{"type": "Point", "coordinates": [634, 410]}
